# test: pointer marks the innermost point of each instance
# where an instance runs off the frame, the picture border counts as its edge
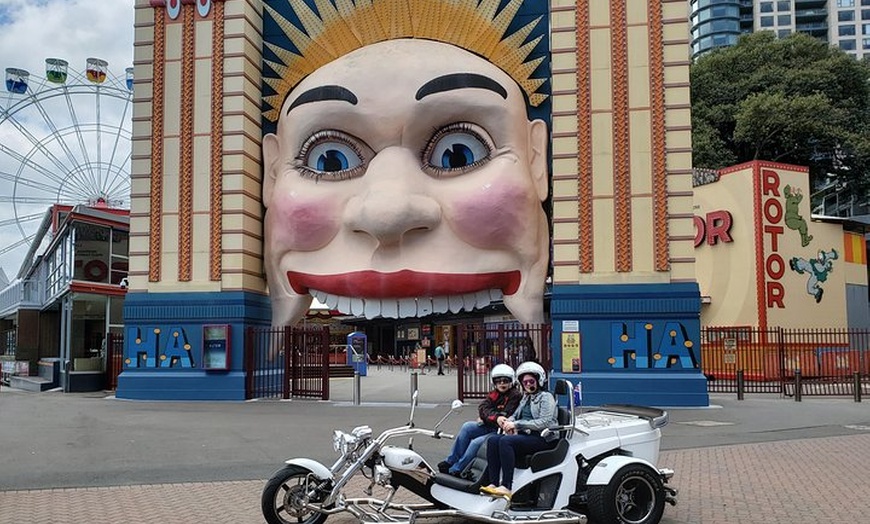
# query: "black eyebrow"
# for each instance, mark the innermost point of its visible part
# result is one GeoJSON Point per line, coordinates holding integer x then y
{"type": "Point", "coordinates": [319, 94]}
{"type": "Point", "coordinates": [460, 81]}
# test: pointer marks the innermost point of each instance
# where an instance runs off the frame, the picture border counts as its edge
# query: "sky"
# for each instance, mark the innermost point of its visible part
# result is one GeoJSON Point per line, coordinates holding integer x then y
{"type": "Point", "coordinates": [30, 32]}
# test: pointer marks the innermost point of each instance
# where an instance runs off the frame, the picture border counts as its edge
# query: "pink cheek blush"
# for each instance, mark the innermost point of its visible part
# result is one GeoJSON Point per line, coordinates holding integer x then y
{"type": "Point", "coordinates": [491, 218]}
{"type": "Point", "coordinates": [303, 224]}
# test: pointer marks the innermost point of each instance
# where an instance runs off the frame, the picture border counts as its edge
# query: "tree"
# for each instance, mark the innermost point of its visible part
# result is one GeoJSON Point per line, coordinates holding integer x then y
{"type": "Point", "coordinates": [794, 100]}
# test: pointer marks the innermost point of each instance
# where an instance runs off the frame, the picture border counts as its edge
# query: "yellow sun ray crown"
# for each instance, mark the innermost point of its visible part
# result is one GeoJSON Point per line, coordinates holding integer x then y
{"type": "Point", "coordinates": [348, 25]}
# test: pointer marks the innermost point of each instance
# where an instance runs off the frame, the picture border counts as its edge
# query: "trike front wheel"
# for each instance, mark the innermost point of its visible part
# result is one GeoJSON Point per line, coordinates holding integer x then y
{"type": "Point", "coordinates": [284, 498]}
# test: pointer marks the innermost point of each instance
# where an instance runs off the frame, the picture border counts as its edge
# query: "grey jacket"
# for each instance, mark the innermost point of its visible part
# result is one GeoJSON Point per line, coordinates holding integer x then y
{"type": "Point", "coordinates": [543, 406]}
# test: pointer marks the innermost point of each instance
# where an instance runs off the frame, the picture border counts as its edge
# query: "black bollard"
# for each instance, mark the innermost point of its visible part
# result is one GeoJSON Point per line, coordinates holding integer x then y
{"type": "Point", "coordinates": [857, 385]}
{"type": "Point", "coordinates": [741, 385]}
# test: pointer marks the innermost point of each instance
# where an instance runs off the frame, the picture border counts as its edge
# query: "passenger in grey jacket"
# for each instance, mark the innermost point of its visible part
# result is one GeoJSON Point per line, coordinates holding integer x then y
{"type": "Point", "coordinates": [521, 431]}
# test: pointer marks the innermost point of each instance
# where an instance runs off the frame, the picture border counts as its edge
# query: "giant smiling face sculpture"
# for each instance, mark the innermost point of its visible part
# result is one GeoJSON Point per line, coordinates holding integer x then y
{"type": "Point", "coordinates": [405, 179]}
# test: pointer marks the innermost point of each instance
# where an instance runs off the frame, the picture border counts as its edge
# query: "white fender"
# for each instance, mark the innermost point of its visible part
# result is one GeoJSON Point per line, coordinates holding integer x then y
{"type": "Point", "coordinates": [320, 471]}
{"type": "Point", "coordinates": [604, 471]}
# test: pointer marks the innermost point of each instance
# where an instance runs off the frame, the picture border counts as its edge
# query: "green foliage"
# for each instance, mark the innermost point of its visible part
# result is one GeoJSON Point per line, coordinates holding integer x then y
{"type": "Point", "coordinates": [794, 100]}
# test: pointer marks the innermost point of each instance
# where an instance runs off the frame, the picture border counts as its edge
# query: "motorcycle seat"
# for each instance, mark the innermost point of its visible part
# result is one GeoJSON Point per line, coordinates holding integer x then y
{"type": "Point", "coordinates": [459, 484]}
{"type": "Point", "coordinates": [549, 457]}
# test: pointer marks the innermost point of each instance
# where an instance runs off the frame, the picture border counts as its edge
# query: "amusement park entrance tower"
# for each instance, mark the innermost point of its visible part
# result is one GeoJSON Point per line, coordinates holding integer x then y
{"type": "Point", "coordinates": [403, 152]}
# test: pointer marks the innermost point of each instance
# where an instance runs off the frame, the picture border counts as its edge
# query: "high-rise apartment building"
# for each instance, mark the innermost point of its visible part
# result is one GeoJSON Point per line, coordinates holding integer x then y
{"type": "Point", "coordinates": [718, 23]}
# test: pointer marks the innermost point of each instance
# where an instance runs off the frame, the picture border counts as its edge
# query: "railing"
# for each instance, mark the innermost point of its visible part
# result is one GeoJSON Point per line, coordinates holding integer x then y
{"type": "Point", "coordinates": [823, 361]}
{"type": "Point", "coordinates": [18, 294]}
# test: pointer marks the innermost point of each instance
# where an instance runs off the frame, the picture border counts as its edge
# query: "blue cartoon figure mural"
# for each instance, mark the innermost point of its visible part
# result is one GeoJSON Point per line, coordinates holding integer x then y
{"type": "Point", "coordinates": [818, 269]}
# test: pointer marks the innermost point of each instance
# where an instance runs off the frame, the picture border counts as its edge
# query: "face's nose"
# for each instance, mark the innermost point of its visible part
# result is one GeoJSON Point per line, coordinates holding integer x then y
{"type": "Point", "coordinates": [395, 200]}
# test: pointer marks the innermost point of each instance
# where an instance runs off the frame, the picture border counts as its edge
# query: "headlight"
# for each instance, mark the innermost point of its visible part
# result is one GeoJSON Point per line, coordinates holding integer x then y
{"type": "Point", "coordinates": [342, 442]}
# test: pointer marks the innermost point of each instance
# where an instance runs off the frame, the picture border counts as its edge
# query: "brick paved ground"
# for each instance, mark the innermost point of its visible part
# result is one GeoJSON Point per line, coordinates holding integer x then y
{"type": "Point", "coordinates": [796, 482]}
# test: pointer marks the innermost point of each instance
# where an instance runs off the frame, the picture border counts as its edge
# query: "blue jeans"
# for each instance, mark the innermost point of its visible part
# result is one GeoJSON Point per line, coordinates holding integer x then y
{"type": "Point", "coordinates": [471, 436]}
{"type": "Point", "coordinates": [502, 452]}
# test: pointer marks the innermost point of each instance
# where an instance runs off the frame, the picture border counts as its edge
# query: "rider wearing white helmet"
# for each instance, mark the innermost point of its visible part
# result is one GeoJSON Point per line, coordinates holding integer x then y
{"type": "Point", "coordinates": [501, 401]}
{"type": "Point", "coordinates": [522, 430]}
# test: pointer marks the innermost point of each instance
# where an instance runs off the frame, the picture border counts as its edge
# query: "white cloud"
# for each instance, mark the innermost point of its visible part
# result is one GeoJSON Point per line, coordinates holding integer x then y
{"type": "Point", "coordinates": [74, 30]}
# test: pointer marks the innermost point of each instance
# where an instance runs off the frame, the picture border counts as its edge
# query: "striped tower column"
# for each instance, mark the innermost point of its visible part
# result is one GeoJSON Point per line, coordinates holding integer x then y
{"type": "Point", "coordinates": [623, 264]}
{"type": "Point", "coordinates": [196, 276]}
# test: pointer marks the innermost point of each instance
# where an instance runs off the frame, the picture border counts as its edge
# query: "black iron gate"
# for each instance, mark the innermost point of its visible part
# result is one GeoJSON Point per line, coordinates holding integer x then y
{"type": "Point", "coordinates": [287, 362]}
{"type": "Point", "coordinates": [482, 346]}
{"type": "Point", "coordinates": [114, 359]}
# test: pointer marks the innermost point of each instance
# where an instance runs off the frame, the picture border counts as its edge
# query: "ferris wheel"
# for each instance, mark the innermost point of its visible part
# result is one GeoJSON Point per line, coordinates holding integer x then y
{"type": "Point", "coordinates": [65, 138]}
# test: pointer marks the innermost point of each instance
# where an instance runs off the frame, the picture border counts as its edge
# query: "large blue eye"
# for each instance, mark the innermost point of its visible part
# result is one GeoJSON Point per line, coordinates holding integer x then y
{"type": "Point", "coordinates": [456, 151]}
{"type": "Point", "coordinates": [331, 157]}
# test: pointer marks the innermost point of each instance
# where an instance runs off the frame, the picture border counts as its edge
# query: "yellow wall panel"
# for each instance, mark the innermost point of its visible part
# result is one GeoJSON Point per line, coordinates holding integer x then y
{"type": "Point", "coordinates": [599, 13]}
{"type": "Point", "coordinates": [566, 231]}
{"type": "Point", "coordinates": [642, 248]}
{"type": "Point", "coordinates": [603, 251]}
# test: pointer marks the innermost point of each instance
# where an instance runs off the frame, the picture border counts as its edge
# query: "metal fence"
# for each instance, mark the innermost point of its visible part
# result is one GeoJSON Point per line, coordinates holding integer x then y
{"type": "Point", "coordinates": [777, 360]}
{"type": "Point", "coordinates": [482, 346]}
{"type": "Point", "coordinates": [287, 362]}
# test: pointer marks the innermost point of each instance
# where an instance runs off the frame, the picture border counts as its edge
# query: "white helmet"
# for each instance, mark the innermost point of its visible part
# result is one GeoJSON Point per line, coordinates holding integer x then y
{"type": "Point", "coordinates": [532, 368]}
{"type": "Point", "coordinates": [502, 371]}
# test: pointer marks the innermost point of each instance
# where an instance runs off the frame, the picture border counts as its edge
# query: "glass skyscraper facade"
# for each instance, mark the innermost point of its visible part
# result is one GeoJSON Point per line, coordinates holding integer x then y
{"type": "Point", "coordinates": [844, 23]}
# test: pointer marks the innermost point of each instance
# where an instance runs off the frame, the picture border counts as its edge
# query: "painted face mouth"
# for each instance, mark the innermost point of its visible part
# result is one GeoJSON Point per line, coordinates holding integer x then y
{"type": "Point", "coordinates": [405, 293]}
{"type": "Point", "coordinates": [404, 284]}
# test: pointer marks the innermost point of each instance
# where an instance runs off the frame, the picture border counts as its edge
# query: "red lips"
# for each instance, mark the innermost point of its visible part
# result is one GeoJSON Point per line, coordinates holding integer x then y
{"type": "Point", "coordinates": [404, 284]}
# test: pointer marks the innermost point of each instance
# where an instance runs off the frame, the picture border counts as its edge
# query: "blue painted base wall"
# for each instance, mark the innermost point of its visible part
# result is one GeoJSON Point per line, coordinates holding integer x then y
{"type": "Point", "coordinates": [640, 343]}
{"type": "Point", "coordinates": [163, 344]}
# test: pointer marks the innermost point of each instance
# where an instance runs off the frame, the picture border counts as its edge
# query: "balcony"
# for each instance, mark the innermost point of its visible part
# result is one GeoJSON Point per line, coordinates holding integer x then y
{"type": "Point", "coordinates": [810, 4]}
{"type": "Point", "coordinates": [809, 15]}
{"type": "Point", "coordinates": [20, 294]}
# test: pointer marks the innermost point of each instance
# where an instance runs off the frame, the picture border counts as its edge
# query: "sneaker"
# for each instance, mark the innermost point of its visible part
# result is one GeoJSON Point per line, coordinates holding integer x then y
{"type": "Point", "coordinates": [497, 491]}
{"type": "Point", "coordinates": [444, 466]}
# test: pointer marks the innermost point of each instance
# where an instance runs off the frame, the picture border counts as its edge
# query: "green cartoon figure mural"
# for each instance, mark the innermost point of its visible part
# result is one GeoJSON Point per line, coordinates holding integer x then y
{"type": "Point", "coordinates": [818, 268]}
{"type": "Point", "coordinates": [793, 218]}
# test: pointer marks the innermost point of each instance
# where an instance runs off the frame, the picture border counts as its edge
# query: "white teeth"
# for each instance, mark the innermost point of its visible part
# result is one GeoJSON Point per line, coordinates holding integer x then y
{"type": "Point", "coordinates": [344, 305]}
{"type": "Point", "coordinates": [372, 308]}
{"type": "Point", "coordinates": [407, 307]}
{"type": "Point", "coordinates": [357, 307]}
{"type": "Point", "coordinates": [470, 301]}
{"type": "Point", "coordinates": [440, 304]}
{"type": "Point", "coordinates": [331, 301]}
{"type": "Point", "coordinates": [424, 307]}
{"type": "Point", "coordinates": [482, 298]}
{"type": "Point", "coordinates": [390, 308]}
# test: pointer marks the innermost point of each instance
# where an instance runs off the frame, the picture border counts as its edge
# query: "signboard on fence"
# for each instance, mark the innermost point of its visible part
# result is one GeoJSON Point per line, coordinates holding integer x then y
{"type": "Point", "coordinates": [730, 355]}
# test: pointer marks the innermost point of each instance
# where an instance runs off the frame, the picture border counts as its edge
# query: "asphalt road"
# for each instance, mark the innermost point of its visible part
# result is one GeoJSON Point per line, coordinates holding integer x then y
{"type": "Point", "coordinates": [53, 440]}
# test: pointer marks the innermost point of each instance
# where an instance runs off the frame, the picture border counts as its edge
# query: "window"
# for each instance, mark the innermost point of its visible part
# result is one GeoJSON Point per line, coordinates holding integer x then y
{"type": "Point", "coordinates": [783, 5]}
{"type": "Point", "coordinates": [847, 3]}
{"type": "Point", "coordinates": [867, 43]}
{"type": "Point", "coordinates": [865, 29]}
{"type": "Point", "coordinates": [846, 16]}
{"type": "Point", "coordinates": [846, 30]}
{"type": "Point", "coordinates": [766, 7]}
{"type": "Point", "coordinates": [783, 19]}
{"type": "Point", "coordinates": [865, 2]}
{"type": "Point", "coordinates": [865, 14]}
{"type": "Point", "coordinates": [782, 33]}
{"type": "Point", "coordinates": [847, 45]}
{"type": "Point", "coordinates": [766, 21]}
